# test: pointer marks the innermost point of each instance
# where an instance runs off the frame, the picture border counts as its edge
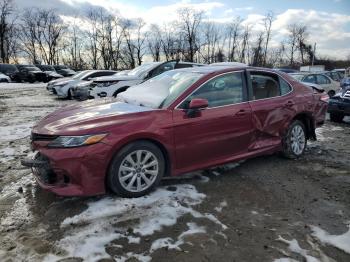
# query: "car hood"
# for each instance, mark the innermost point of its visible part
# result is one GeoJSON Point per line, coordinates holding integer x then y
{"type": "Point", "coordinates": [53, 73]}
{"type": "Point", "coordinates": [115, 78]}
{"type": "Point", "coordinates": [79, 118]}
{"type": "Point", "coordinates": [68, 81]}
{"type": "Point", "coordinates": [60, 80]}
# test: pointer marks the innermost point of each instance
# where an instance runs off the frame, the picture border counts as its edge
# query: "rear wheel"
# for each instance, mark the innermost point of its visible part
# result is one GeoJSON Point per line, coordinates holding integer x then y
{"type": "Point", "coordinates": [136, 169]}
{"type": "Point", "coordinates": [294, 142]}
{"type": "Point", "coordinates": [336, 117]}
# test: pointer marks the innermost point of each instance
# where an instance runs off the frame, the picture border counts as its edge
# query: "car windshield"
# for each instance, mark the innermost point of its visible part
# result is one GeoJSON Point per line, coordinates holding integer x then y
{"type": "Point", "coordinates": [298, 77]}
{"type": "Point", "coordinates": [47, 68]}
{"type": "Point", "coordinates": [141, 70]}
{"type": "Point", "coordinates": [160, 91]}
{"type": "Point", "coordinates": [82, 74]}
{"type": "Point", "coordinates": [32, 68]}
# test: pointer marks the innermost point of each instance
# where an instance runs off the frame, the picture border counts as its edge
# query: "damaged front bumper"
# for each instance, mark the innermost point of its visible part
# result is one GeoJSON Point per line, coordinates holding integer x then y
{"type": "Point", "coordinates": [71, 172]}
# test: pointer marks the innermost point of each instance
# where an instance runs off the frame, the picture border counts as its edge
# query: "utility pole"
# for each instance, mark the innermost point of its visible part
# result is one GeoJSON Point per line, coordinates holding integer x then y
{"type": "Point", "coordinates": [313, 55]}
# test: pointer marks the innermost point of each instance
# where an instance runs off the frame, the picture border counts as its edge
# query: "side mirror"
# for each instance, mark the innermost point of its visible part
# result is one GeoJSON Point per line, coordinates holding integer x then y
{"type": "Point", "coordinates": [195, 105]}
{"type": "Point", "coordinates": [198, 103]}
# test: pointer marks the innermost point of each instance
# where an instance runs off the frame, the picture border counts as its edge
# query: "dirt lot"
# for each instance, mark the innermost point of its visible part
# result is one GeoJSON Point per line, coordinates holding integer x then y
{"type": "Point", "coordinates": [263, 209]}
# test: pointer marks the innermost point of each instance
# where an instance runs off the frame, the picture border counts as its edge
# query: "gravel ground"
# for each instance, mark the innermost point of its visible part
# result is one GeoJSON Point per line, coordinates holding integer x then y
{"type": "Point", "coordinates": [264, 209]}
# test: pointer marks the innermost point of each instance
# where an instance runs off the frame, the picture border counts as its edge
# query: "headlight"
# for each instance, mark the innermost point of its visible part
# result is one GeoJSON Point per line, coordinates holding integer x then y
{"type": "Point", "coordinates": [75, 141]}
{"type": "Point", "coordinates": [84, 84]}
{"type": "Point", "coordinates": [59, 86]}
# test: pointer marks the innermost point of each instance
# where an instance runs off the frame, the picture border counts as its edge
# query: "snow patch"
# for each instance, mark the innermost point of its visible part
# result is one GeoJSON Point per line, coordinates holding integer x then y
{"type": "Point", "coordinates": [169, 243]}
{"type": "Point", "coordinates": [13, 132]}
{"type": "Point", "coordinates": [129, 255]}
{"type": "Point", "coordinates": [221, 206]}
{"type": "Point", "coordinates": [341, 242]}
{"type": "Point", "coordinates": [89, 232]}
{"type": "Point", "coordinates": [293, 246]}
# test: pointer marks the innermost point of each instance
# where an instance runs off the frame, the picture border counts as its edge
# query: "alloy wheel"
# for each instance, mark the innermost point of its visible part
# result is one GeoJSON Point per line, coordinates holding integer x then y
{"type": "Point", "coordinates": [297, 140]}
{"type": "Point", "coordinates": [138, 171]}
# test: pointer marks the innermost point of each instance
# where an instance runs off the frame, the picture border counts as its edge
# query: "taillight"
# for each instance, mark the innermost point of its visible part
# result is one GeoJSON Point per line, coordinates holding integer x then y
{"type": "Point", "coordinates": [324, 98]}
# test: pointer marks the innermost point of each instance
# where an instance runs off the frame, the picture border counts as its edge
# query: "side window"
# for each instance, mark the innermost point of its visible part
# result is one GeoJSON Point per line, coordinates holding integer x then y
{"type": "Point", "coordinates": [285, 87]}
{"type": "Point", "coordinates": [310, 79]}
{"type": "Point", "coordinates": [264, 85]}
{"type": "Point", "coordinates": [162, 68]}
{"type": "Point", "coordinates": [182, 65]}
{"type": "Point", "coordinates": [220, 91]}
{"type": "Point", "coordinates": [322, 80]}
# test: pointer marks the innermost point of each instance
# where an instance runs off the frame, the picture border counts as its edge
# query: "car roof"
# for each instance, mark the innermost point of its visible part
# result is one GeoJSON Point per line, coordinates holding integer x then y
{"type": "Point", "coordinates": [208, 69]}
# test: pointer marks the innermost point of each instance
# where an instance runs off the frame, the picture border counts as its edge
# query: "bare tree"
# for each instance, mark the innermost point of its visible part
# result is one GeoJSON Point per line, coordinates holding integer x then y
{"type": "Point", "coordinates": [155, 42]}
{"type": "Point", "coordinates": [189, 21]}
{"type": "Point", "coordinates": [292, 42]}
{"type": "Point", "coordinates": [244, 56]}
{"type": "Point", "coordinates": [50, 28]}
{"type": "Point", "coordinates": [28, 35]}
{"type": "Point", "coordinates": [267, 23]}
{"type": "Point", "coordinates": [233, 34]}
{"type": "Point", "coordinates": [7, 30]}
{"type": "Point", "coordinates": [92, 35]}
{"type": "Point", "coordinates": [211, 35]}
{"type": "Point", "coordinates": [257, 50]}
{"type": "Point", "coordinates": [301, 41]}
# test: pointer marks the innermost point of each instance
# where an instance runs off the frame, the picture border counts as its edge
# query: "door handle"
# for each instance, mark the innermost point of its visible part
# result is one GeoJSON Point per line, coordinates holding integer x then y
{"type": "Point", "coordinates": [289, 103]}
{"type": "Point", "coordinates": [241, 112]}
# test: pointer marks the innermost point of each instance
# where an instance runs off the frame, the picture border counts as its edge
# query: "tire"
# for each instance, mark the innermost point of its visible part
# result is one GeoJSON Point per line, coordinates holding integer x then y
{"type": "Point", "coordinates": [128, 177]}
{"type": "Point", "coordinates": [336, 117]}
{"type": "Point", "coordinates": [70, 94]}
{"type": "Point", "coordinates": [294, 142]}
{"type": "Point", "coordinates": [331, 93]}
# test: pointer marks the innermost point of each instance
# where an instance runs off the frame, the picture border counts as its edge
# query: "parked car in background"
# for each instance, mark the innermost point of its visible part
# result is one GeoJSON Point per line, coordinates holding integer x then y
{"type": "Point", "coordinates": [174, 123]}
{"type": "Point", "coordinates": [50, 72]}
{"type": "Point", "coordinates": [81, 92]}
{"type": "Point", "coordinates": [4, 78]}
{"type": "Point", "coordinates": [339, 104]}
{"type": "Point", "coordinates": [286, 70]}
{"type": "Point", "coordinates": [336, 76]}
{"type": "Point", "coordinates": [330, 86]}
{"type": "Point", "coordinates": [341, 72]}
{"type": "Point", "coordinates": [65, 71]}
{"type": "Point", "coordinates": [63, 89]}
{"type": "Point", "coordinates": [31, 74]}
{"type": "Point", "coordinates": [136, 76]}
{"type": "Point", "coordinates": [345, 82]}
{"type": "Point", "coordinates": [10, 71]}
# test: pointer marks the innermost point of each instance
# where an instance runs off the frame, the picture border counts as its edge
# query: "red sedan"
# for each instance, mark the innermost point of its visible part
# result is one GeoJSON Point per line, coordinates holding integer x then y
{"type": "Point", "coordinates": [177, 122]}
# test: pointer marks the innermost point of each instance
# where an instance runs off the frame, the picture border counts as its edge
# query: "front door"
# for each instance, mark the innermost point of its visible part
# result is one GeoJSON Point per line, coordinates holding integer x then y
{"type": "Point", "coordinates": [220, 131]}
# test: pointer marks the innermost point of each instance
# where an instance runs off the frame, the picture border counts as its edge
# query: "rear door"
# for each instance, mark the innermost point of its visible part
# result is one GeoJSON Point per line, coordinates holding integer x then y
{"type": "Point", "coordinates": [218, 132]}
{"type": "Point", "coordinates": [272, 107]}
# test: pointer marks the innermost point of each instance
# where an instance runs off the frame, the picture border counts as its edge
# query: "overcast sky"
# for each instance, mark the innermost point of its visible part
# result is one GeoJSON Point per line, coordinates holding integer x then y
{"type": "Point", "coordinates": [328, 20]}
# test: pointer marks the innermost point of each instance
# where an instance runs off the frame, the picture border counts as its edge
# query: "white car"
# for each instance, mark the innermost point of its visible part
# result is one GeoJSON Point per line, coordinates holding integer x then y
{"type": "Point", "coordinates": [113, 85]}
{"type": "Point", "coordinates": [63, 87]}
{"type": "Point", "coordinates": [330, 86]}
{"type": "Point", "coordinates": [4, 78]}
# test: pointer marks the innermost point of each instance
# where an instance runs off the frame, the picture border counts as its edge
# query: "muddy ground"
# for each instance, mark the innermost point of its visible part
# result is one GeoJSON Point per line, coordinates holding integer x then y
{"type": "Point", "coordinates": [264, 209]}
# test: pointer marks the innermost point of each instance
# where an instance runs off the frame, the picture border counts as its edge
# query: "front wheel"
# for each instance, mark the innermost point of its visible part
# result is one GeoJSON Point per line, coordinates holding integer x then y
{"type": "Point", "coordinates": [136, 169]}
{"type": "Point", "coordinates": [294, 142]}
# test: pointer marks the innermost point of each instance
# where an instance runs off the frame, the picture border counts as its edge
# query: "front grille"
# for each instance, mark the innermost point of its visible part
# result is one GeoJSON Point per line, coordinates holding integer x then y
{"type": "Point", "coordinates": [45, 173]}
{"type": "Point", "coordinates": [40, 137]}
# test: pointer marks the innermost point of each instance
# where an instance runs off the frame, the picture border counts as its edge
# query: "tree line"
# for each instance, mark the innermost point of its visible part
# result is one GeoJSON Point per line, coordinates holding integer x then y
{"type": "Point", "coordinates": [100, 40]}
